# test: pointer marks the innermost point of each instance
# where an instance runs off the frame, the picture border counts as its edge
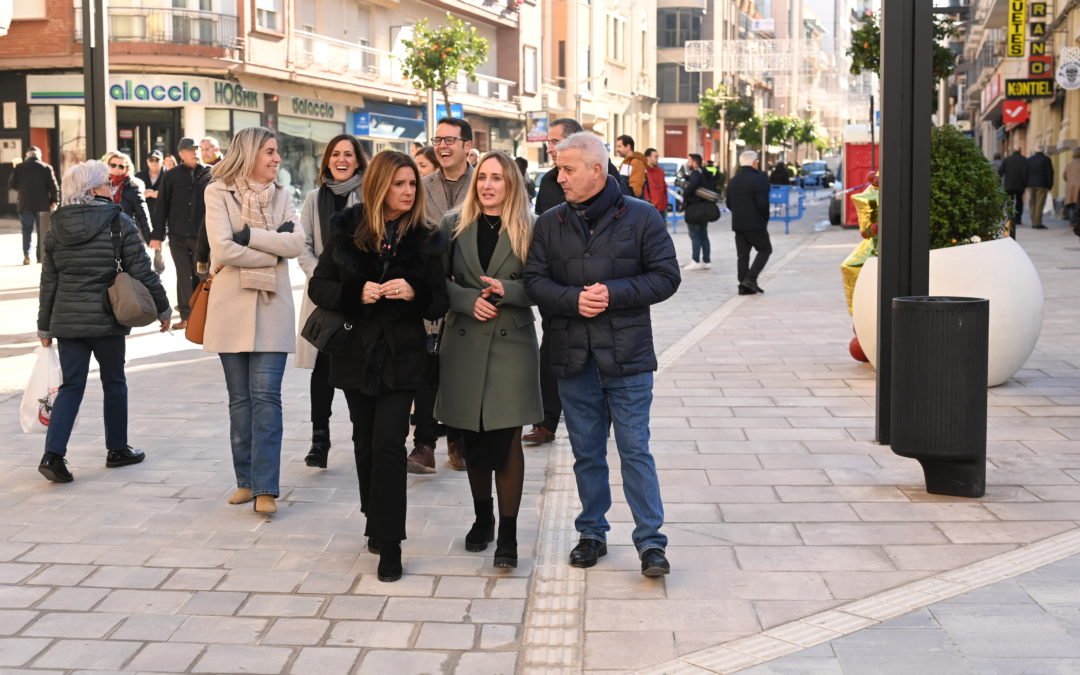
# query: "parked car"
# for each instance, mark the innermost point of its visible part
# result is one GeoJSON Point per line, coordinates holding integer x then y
{"type": "Point", "coordinates": [673, 167]}
{"type": "Point", "coordinates": [815, 174]}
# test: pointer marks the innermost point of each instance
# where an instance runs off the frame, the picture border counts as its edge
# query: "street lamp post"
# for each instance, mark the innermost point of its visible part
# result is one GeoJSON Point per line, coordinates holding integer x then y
{"type": "Point", "coordinates": [95, 74]}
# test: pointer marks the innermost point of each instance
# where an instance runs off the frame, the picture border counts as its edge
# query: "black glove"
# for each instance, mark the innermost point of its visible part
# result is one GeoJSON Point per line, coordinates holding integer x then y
{"type": "Point", "coordinates": [286, 227]}
{"type": "Point", "coordinates": [243, 236]}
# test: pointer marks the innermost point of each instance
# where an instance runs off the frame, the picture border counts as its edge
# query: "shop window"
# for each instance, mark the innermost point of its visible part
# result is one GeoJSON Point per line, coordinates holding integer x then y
{"type": "Point", "coordinates": [301, 143]}
{"type": "Point", "coordinates": [268, 15]}
{"type": "Point", "coordinates": [218, 125]}
{"type": "Point", "coordinates": [72, 137]}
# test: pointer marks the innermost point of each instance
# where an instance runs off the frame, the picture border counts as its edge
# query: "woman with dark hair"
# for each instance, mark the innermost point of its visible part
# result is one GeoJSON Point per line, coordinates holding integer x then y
{"type": "Point", "coordinates": [128, 191]}
{"type": "Point", "coordinates": [490, 359]}
{"type": "Point", "coordinates": [382, 269]}
{"type": "Point", "coordinates": [249, 316]}
{"type": "Point", "coordinates": [426, 160]}
{"type": "Point", "coordinates": [340, 176]}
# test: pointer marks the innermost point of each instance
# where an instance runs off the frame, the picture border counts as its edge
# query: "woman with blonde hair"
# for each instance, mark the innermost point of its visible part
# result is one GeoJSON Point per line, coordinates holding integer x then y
{"type": "Point", "coordinates": [128, 191]}
{"type": "Point", "coordinates": [340, 176]}
{"type": "Point", "coordinates": [489, 375]}
{"type": "Point", "coordinates": [382, 270]}
{"type": "Point", "coordinates": [250, 318]}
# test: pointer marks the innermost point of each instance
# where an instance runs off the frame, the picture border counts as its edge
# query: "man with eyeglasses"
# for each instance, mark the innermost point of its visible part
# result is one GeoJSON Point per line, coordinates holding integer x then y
{"type": "Point", "coordinates": [178, 216]}
{"type": "Point", "coordinates": [551, 193]}
{"type": "Point", "coordinates": [444, 190]}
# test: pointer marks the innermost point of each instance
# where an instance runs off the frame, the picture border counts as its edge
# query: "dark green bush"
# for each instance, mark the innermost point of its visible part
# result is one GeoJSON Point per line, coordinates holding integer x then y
{"type": "Point", "coordinates": [966, 198]}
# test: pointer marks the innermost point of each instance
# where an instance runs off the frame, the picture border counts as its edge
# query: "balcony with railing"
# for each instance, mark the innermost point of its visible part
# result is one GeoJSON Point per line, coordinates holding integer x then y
{"type": "Point", "coordinates": [141, 30]}
{"type": "Point", "coordinates": [327, 56]}
{"type": "Point", "coordinates": [492, 90]}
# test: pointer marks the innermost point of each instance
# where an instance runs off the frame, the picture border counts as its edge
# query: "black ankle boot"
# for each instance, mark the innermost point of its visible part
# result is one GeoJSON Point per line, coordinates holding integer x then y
{"type": "Point", "coordinates": [320, 448]}
{"type": "Point", "coordinates": [389, 561]}
{"type": "Point", "coordinates": [506, 546]}
{"type": "Point", "coordinates": [483, 529]}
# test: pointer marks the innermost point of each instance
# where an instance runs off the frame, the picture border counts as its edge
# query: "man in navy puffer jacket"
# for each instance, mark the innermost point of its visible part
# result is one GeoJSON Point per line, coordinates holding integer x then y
{"type": "Point", "coordinates": [596, 264]}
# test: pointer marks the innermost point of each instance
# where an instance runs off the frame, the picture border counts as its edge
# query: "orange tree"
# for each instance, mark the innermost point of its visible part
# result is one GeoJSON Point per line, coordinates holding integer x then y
{"type": "Point", "coordinates": [435, 56]}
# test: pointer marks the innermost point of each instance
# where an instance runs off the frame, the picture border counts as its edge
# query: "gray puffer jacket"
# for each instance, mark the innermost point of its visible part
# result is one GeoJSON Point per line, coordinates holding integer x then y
{"type": "Point", "coordinates": [78, 269]}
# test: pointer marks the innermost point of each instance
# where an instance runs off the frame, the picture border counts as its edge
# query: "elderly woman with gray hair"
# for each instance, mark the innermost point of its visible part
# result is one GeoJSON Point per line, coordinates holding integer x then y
{"type": "Point", "coordinates": [77, 270]}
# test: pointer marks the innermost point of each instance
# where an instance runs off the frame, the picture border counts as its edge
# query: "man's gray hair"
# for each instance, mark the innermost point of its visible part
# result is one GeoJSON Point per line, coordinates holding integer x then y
{"type": "Point", "coordinates": [81, 180]}
{"type": "Point", "coordinates": [592, 148]}
{"type": "Point", "coordinates": [747, 158]}
{"type": "Point", "coordinates": [213, 141]}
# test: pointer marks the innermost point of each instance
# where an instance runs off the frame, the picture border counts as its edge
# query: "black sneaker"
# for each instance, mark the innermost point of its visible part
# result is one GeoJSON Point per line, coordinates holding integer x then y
{"type": "Point", "coordinates": [54, 467]}
{"type": "Point", "coordinates": [123, 457]}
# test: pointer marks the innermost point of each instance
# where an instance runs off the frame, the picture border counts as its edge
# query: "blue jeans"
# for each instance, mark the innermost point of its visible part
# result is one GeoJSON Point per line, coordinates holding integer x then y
{"type": "Point", "coordinates": [699, 242]}
{"type": "Point", "coordinates": [31, 224]}
{"type": "Point", "coordinates": [254, 383]}
{"type": "Point", "coordinates": [593, 402]}
{"type": "Point", "coordinates": [75, 364]}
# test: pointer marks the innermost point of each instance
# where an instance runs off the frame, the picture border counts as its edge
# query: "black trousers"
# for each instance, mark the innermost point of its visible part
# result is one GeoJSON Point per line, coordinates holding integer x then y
{"type": "Point", "coordinates": [380, 425]}
{"type": "Point", "coordinates": [183, 255]}
{"type": "Point", "coordinates": [1018, 205]}
{"type": "Point", "coordinates": [549, 384]}
{"type": "Point", "coordinates": [322, 394]}
{"type": "Point", "coordinates": [427, 429]}
{"type": "Point", "coordinates": [744, 242]}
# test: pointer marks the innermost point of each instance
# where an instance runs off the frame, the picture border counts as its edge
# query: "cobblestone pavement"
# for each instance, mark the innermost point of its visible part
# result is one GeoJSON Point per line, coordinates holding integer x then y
{"type": "Point", "coordinates": [778, 506]}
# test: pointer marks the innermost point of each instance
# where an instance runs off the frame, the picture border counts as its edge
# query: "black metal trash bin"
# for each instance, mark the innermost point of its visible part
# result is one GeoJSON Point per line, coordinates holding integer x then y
{"type": "Point", "coordinates": [939, 364]}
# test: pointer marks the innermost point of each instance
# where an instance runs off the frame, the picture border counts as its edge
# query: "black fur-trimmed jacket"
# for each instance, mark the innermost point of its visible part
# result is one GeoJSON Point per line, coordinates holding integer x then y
{"type": "Point", "coordinates": [387, 348]}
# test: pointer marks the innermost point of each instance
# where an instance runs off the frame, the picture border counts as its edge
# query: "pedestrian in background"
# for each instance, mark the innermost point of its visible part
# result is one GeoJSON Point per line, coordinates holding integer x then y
{"type": "Point", "coordinates": [35, 182]}
{"type": "Point", "coordinates": [249, 318]}
{"type": "Point", "coordinates": [169, 162]}
{"type": "Point", "coordinates": [340, 177]}
{"type": "Point", "coordinates": [1013, 172]}
{"type": "Point", "coordinates": [1072, 184]}
{"type": "Point", "coordinates": [1040, 178]}
{"type": "Point", "coordinates": [489, 364]}
{"type": "Point", "coordinates": [210, 151]}
{"type": "Point", "coordinates": [382, 269]}
{"type": "Point", "coordinates": [748, 201]}
{"type": "Point", "coordinates": [151, 176]}
{"type": "Point", "coordinates": [780, 175]}
{"type": "Point", "coordinates": [426, 160]}
{"type": "Point", "coordinates": [633, 166]}
{"type": "Point", "coordinates": [530, 186]}
{"type": "Point", "coordinates": [655, 182]}
{"type": "Point", "coordinates": [78, 267]}
{"type": "Point", "coordinates": [128, 191]}
{"type": "Point", "coordinates": [697, 214]}
{"type": "Point", "coordinates": [601, 339]}
{"type": "Point", "coordinates": [179, 218]}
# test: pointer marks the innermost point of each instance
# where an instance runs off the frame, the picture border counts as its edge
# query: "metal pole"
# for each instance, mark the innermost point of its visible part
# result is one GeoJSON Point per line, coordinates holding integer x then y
{"type": "Point", "coordinates": [907, 91]}
{"type": "Point", "coordinates": [95, 75]}
{"type": "Point", "coordinates": [873, 155]}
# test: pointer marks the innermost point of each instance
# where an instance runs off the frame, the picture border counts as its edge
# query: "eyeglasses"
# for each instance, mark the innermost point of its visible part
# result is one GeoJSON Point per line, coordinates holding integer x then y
{"type": "Point", "coordinates": [116, 166]}
{"type": "Point", "coordinates": [445, 140]}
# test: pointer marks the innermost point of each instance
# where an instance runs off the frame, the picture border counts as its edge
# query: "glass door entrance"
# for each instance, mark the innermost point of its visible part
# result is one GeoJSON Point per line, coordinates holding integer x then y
{"type": "Point", "coordinates": [140, 131]}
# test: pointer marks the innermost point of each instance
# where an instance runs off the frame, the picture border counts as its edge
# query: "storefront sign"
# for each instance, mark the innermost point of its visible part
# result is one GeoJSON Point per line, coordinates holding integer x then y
{"type": "Point", "coordinates": [312, 109]}
{"type": "Point", "coordinates": [1015, 112]}
{"type": "Point", "coordinates": [991, 91]}
{"type": "Point", "coordinates": [157, 90]}
{"type": "Point", "coordinates": [1040, 66]}
{"type": "Point", "coordinates": [233, 95]}
{"type": "Point", "coordinates": [1016, 37]}
{"type": "Point", "coordinates": [1068, 71]}
{"type": "Point", "coordinates": [456, 111]}
{"type": "Point", "coordinates": [382, 125]}
{"type": "Point", "coordinates": [1037, 88]}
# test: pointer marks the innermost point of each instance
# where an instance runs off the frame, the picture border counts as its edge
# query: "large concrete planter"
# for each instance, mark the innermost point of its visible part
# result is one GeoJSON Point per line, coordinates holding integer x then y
{"type": "Point", "coordinates": [998, 270]}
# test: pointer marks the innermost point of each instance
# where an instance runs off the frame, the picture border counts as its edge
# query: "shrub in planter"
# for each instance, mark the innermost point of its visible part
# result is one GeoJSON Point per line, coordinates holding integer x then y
{"type": "Point", "coordinates": [967, 204]}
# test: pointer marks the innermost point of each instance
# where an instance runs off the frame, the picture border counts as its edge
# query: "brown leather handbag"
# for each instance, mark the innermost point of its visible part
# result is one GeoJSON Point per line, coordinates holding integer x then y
{"type": "Point", "coordinates": [200, 299]}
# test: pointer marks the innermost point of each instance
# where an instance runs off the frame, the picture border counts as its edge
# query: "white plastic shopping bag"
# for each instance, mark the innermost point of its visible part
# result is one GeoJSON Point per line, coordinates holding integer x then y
{"type": "Point", "coordinates": [37, 400]}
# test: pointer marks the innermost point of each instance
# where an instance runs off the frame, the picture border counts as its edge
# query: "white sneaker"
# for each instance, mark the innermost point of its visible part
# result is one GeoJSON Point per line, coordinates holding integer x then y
{"type": "Point", "coordinates": [692, 266]}
{"type": "Point", "coordinates": [705, 266]}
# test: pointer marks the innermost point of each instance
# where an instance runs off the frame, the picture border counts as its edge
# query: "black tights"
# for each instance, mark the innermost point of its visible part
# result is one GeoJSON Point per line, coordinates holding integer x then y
{"type": "Point", "coordinates": [322, 394]}
{"type": "Point", "coordinates": [509, 480]}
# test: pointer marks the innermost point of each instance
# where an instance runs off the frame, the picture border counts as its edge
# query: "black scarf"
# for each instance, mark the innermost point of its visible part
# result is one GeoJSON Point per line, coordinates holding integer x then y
{"type": "Point", "coordinates": [594, 208]}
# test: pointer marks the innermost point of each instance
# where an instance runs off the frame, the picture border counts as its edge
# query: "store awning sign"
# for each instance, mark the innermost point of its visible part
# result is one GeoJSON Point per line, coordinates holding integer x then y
{"type": "Point", "coordinates": [1015, 112]}
{"type": "Point", "coordinates": [1030, 88]}
{"type": "Point", "coordinates": [1040, 66]}
{"type": "Point", "coordinates": [1017, 34]}
{"type": "Point", "coordinates": [1068, 70]}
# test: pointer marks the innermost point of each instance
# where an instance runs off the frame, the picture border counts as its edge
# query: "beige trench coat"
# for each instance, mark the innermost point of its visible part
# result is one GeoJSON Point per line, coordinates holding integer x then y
{"type": "Point", "coordinates": [237, 320]}
{"type": "Point", "coordinates": [308, 259]}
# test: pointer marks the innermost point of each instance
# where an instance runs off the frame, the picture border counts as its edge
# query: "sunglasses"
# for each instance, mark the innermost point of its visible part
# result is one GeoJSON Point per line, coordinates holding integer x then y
{"type": "Point", "coordinates": [116, 166]}
{"type": "Point", "coordinates": [153, 159]}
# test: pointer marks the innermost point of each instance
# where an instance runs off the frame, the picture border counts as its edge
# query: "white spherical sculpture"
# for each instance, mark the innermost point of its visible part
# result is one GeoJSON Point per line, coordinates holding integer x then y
{"type": "Point", "coordinates": [999, 270]}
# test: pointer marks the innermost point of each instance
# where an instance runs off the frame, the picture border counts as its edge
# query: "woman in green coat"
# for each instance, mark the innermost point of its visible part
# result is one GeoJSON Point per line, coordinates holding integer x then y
{"type": "Point", "coordinates": [489, 363]}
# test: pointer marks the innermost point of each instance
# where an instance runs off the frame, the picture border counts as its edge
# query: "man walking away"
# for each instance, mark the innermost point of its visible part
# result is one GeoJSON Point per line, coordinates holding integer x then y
{"type": "Point", "coordinates": [1040, 178]}
{"type": "Point", "coordinates": [655, 182]}
{"type": "Point", "coordinates": [35, 182]}
{"type": "Point", "coordinates": [633, 166]}
{"type": "Point", "coordinates": [748, 201]}
{"type": "Point", "coordinates": [1013, 172]}
{"type": "Point", "coordinates": [596, 265]}
{"type": "Point", "coordinates": [178, 217]}
{"type": "Point", "coordinates": [698, 214]}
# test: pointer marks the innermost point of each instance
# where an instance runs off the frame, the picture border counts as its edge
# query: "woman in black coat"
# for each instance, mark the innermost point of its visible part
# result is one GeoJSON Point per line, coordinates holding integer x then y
{"type": "Point", "coordinates": [128, 191]}
{"type": "Point", "coordinates": [382, 269]}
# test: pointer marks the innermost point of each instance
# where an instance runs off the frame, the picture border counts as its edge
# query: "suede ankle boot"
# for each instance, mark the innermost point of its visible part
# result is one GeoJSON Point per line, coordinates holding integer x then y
{"type": "Point", "coordinates": [483, 529]}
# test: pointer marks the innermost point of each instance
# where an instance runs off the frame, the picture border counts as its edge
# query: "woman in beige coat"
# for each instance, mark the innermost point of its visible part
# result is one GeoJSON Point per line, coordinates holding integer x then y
{"type": "Point", "coordinates": [340, 181]}
{"type": "Point", "coordinates": [489, 364]}
{"type": "Point", "coordinates": [250, 318]}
